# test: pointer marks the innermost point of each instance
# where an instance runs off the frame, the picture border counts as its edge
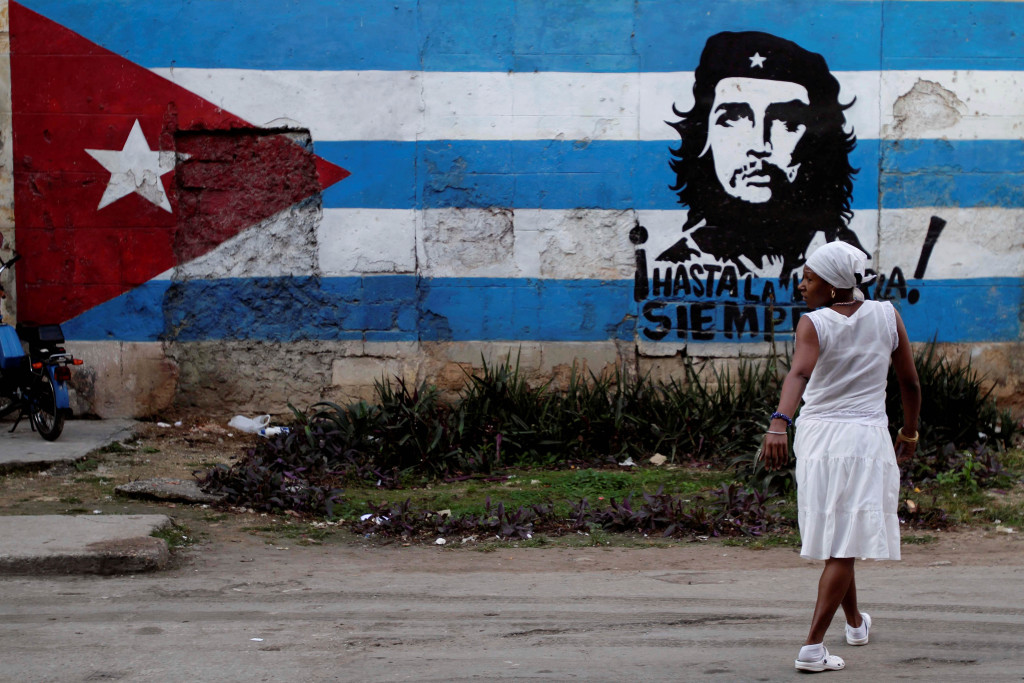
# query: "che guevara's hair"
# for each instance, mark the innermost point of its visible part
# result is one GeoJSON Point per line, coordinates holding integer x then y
{"type": "Point", "coordinates": [824, 185]}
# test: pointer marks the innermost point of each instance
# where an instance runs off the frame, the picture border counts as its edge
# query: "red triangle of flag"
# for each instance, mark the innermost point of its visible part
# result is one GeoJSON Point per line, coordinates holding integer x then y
{"type": "Point", "coordinates": [119, 174]}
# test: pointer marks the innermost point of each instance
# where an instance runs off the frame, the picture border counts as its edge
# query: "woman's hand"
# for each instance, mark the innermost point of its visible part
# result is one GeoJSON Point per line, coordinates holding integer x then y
{"type": "Point", "coordinates": [904, 447]}
{"type": "Point", "coordinates": [775, 451]}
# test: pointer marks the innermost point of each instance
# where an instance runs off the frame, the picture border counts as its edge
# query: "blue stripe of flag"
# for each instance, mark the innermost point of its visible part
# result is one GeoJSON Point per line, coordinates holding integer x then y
{"type": "Point", "coordinates": [551, 174]}
{"type": "Point", "coordinates": [408, 308]}
{"type": "Point", "coordinates": [528, 35]}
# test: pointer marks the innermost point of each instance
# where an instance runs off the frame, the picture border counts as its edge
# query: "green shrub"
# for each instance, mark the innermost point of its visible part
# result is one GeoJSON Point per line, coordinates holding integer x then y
{"type": "Point", "coordinates": [410, 435]}
{"type": "Point", "coordinates": [959, 419]}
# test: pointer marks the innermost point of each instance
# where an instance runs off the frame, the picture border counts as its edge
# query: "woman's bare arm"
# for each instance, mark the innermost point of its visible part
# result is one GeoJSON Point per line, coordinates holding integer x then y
{"type": "Point", "coordinates": [910, 390]}
{"type": "Point", "coordinates": [775, 448]}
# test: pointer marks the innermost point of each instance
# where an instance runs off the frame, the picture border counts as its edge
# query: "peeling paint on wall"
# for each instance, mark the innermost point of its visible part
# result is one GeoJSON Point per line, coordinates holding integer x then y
{"type": "Point", "coordinates": [927, 108]}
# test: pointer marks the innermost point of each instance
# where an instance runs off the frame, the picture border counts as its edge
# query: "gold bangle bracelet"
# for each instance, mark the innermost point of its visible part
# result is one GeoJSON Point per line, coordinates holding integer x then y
{"type": "Point", "coordinates": [908, 439]}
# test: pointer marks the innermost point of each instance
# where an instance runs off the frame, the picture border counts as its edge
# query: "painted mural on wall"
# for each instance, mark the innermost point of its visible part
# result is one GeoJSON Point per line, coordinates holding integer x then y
{"type": "Point", "coordinates": [763, 168]}
{"type": "Point", "coordinates": [122, 176]}
{"type": "Point", "coordinates": [513, 178]}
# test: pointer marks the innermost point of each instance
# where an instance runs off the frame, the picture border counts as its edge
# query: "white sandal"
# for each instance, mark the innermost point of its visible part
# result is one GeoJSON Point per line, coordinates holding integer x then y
{"type": "Point", "coordinates": [827, 663]}
{"type": "Point", "coordinates": [851, 639]}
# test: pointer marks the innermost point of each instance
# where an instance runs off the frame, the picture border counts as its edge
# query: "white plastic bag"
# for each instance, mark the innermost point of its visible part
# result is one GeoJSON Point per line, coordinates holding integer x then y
{"type": "Point", "coordinates": [249, 425]}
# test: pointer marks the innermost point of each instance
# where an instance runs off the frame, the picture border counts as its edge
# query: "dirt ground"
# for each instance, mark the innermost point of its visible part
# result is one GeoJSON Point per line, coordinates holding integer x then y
{"type": "Point", "coordinates": [180, 448]}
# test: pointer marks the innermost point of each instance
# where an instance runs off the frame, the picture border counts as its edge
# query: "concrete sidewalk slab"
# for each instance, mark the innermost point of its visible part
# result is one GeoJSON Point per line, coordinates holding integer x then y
{"type": "Point", "coordinates": [24, 449]}
{"type": "Point", "coordinates": [82, 544]}
{"type": "Point", "coordinates": [164, 488]}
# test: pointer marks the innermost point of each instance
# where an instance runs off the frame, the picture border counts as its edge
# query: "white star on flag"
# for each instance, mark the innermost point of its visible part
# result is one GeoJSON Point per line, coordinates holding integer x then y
{"type": "Point", "coordinates": [757, 60]}
{"type": "Point", "coordinates": [135, 168]}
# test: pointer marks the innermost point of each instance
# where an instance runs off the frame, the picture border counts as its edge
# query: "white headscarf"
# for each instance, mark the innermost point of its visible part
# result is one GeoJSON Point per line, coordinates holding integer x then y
{"type": "Point", "coordinates": [840, 264]}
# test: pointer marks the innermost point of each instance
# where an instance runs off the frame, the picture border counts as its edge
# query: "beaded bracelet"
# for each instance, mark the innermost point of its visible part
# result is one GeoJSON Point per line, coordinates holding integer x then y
{"type": "Point", "coordinates": [787, 418]}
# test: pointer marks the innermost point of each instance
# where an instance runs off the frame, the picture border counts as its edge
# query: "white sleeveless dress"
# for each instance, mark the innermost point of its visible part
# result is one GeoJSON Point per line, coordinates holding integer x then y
{"type": "Point", "coordinates": [847, 478]}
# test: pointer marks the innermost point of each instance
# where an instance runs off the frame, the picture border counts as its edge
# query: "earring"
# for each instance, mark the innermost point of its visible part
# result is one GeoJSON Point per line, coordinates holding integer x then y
{"type": "Point", "coordinates": [833, 292]}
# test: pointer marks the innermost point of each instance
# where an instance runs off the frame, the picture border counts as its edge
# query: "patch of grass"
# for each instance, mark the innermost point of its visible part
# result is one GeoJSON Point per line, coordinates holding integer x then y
{"type": "Point", "coordinates": [913, 539]}
{"type": "Point", "coordinates": [87, 464]}
{"type": "Point", "coordinates": [959, 507]}
{"type": "Point", "coordinates": [70, 500]}
{"type": "Point", "coordinates": [113, 447]}
{"type": "Point", "coordinates": [773, 540]}
{"type": "Point", "coordinates": [598, 539]}
{"type": "Point", "coordinates": [100, 484]}
{"type": "Point", "coordinates": [533, 487]}
{"type": "Point", "coordinates": [215, 517]}
{"type": "Point", "coordinates": [1013, 461]}
{"type": "Point", "coordinates": [727, 511]}
{"type": "Point", "coordinates": [538, 541]}
{"type": "Point", "coordinates": [176, 535]}
{"type": "Point", "coordinates": [592, 483]}
{"type": "Point", "coordinates": [593, 539]}
{"type": "Point", "coordinates": [1005, 509]}
{"type": "Point", "coordinates": [303, 532]}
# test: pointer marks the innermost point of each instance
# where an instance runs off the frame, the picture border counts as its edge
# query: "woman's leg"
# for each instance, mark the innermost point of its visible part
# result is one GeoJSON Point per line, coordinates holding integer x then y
{"type": "Point", "coordinates": [835, 587]}
{"type": "Point", "coordinates": [849, 603]}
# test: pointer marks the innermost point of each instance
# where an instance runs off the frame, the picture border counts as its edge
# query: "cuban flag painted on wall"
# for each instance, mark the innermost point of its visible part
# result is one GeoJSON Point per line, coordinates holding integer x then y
{"type": "Point", "coordinates": [105, 151]}
{"type": "Point", "coordinates": [521, 171]}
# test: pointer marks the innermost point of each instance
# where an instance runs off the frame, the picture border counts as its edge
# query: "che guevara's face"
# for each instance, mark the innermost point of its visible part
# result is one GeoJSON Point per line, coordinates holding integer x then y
{"type": "Point", "coordinates": [753, 130]}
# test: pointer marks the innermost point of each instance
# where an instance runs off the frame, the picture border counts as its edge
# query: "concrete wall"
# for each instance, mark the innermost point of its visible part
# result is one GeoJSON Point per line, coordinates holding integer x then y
{"type": "Point", "coordinates": [227, 213]}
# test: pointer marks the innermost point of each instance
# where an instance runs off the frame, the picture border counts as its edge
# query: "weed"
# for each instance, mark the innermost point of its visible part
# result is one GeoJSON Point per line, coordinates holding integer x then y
{"type": "Point", "coordinates": [922, 516]}
{"type": "Point", "coordinates": [1013, 461]}
{"type": "Point", "coordinates": [783, 539]}
{"type": "Point", "coordinates": [87, 464]}
{"type": "Point", "coordinates": [91, 479]}
{"type": "Point", "coordinates": [176, 535]}
{"type": "Point", "coordinates": [540, 541]}
{"type": "Point", "coordinates": [963, 477]}
{"type": "Point", "coordinates": [303, 532]}
{"type": "Point", "coordinates": [923, 539]}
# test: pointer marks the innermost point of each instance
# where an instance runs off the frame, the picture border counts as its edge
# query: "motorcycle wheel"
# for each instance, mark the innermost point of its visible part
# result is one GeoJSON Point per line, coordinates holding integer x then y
{"type": "Point", "coordinates": [49, 422]}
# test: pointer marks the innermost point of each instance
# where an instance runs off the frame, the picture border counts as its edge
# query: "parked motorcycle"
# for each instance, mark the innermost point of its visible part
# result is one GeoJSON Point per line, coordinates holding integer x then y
{"type": "Point", "coordinates": [34, 384]}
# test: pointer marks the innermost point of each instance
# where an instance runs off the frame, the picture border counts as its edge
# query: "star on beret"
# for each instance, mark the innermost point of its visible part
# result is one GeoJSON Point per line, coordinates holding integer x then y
{"type": "Point", "coordinates": [757, 61]}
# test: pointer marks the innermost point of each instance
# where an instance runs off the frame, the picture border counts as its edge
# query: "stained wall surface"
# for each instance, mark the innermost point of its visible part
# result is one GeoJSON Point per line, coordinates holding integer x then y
{"type": "Point", "coordinates": [236, 204]}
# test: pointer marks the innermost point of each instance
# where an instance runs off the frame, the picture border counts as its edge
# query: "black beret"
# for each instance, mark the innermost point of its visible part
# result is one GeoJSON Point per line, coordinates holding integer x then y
{"type": "Point", "coordinates": [752, 54]}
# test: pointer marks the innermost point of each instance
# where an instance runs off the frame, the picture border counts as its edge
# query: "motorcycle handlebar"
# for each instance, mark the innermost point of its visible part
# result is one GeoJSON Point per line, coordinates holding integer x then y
{"type": "Point", "coordinates": [14, 259]}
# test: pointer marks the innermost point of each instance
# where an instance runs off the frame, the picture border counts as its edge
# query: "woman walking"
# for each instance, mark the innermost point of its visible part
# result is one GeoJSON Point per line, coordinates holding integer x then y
{"type": "Point", "coordinates": [846, 466]}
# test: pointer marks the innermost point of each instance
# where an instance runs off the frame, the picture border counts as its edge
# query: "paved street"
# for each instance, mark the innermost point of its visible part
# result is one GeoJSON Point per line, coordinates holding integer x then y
{"type": "Point", "coordinates": [255, 611]}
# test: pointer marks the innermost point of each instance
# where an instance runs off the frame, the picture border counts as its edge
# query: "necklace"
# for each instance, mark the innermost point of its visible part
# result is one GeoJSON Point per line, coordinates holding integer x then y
{"type": "Point", "coordinates": [845, 303]}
